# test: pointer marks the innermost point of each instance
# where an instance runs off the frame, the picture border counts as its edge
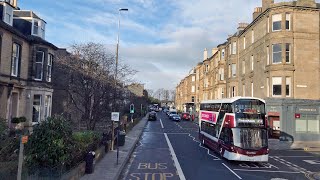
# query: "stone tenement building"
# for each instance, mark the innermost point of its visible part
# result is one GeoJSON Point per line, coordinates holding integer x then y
{"type": "Point", "coordinates": [25, 65]}
{"type": "Point", "coordinates": [275, 57]}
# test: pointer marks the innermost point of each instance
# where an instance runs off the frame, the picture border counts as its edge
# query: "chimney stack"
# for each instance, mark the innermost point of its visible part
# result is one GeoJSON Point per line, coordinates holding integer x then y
{"type": "Point", "coordinates": [214, 50]}
{"type": "Point", "coordinates": [266, 4]}
{"type": "Point", "coordinates": [257, 11]}
{"type": "Point", "coordinates": [242, 26]}
{"type": "Point", "coordinates": [205, 54]}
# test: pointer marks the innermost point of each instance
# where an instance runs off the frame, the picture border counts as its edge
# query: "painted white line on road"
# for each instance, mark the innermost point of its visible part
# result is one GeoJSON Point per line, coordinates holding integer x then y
{"type": "Point", "coordinates": [292, 156]}
{"type": "Point", "coordinates": [175, 159]}
{"type": "Point", "coordinates": [161, 124]}
{"type": "Point", "coordinates": [231, 171]}
{"type": "Point", "coordinates": [291, 172]}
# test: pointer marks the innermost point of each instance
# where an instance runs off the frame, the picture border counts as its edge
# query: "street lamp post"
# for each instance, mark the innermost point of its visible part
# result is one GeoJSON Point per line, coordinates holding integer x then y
{"type": "Point", "coordinates": [115, 85]}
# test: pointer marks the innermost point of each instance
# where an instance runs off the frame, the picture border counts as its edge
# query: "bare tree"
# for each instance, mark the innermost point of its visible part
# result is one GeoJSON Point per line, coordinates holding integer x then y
{"type": "Point", "coordinates": [89, 69]}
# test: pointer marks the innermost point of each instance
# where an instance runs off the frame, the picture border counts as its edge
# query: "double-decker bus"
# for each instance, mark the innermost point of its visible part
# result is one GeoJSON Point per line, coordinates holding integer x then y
{"type": "Point", "coordinates": [236, 128]}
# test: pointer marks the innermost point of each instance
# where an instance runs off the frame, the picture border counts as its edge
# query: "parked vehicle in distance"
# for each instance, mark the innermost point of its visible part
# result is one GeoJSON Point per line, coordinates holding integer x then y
{"type": "Point", "coordinates": [175, 117]}
{"type": "Point", "coordinates": [185, 116]}
{"type": "Point", "coordinates": [171, 114]}
{"type": "Point", "coordinates": [152, 116]}
{"type": "Point", "coordinates": [172, 111]}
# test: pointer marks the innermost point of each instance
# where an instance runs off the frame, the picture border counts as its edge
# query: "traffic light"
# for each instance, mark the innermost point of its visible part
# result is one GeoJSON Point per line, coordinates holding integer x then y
{"type": "Point", "coordinates": [131, 108]}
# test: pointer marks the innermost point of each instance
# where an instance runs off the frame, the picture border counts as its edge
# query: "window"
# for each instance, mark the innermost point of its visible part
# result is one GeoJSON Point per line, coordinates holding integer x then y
{"type": "Point", "coordinates": [222, 53]}
{"type": "Point", "coordinates": [243, 67]}
{"type": "Point", "coordinates": [193, 88]}
{"type": "Point", "coordinates": [49, 67]}
{"type": "Point", "coordinates": [8, 14]}
{"type": "Point", "coordinates": [234, 70]}
{"type": "Point", "coordinates": [308, 123]}
{"type": "Point", "coordinates": [251, 89]}
{"type": "Point", "coordinates": [234, 48]}
{"type": "Point", "coordinates": [276, 86]}
{"type": "Point", "coordinates": [251, 62]}
{"type": "Point", "coordinates": [288, 86]}
{"type": "Point", "coordinates": [233, 91]}
{"type": "Point", "coordinates": [276, 53]}
{"type": "Point", "coordinates": [276, 22]}
{"type": "Point", "coordinates": [207, 68]}
{"type": "Point", "coordinates": [47, 107]}
{"type": "Point", "coordinates": [192, 99]}
{"type": "Point", "coordinates": [193, 78]}
{"type": "Point", "coordinates": [252, 36]}
{"type": "Point", "coordinates": [230, 50]}
{"type": "Point", "coordinates": [15, 59]}
{"type": "Point", "coordinates": [288, 53]}
{"type": "Point", "coordinates": [36, 110]}
{"type": "Point", "coordinates": [244, 42]}
{"type": "Point", "coordinates": [39, 65]}
{"type": "Point", "coordinates": [288, 22]}
{"type": "Point", "coordinates": [43, 30]}
{"type": "Point", "coordinates": [268, 56]}
{"type": "Point", "coordinates": [221, 74]}
{"type": "Point", "coordinates": [35, 27]}
{"type": "Point", "coordinates": [229, 71]}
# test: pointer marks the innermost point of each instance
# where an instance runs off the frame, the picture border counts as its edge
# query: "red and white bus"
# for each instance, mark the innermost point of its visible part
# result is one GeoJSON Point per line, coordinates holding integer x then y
{"type": "Point", "coordinates": [236, 128]}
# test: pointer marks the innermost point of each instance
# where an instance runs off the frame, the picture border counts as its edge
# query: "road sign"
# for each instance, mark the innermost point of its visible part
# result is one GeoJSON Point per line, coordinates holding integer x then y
{"type": "Point", "coordinates": [24, 139]}
{"type": "Point", "coordinates": [115, 116]}
{"type": "Point", "coordinates": [131, 108]}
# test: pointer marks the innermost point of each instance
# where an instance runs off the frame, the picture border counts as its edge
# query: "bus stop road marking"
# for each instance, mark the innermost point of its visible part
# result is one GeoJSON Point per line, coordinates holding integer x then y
{"type": "Point", "coordinates": [175, 159]}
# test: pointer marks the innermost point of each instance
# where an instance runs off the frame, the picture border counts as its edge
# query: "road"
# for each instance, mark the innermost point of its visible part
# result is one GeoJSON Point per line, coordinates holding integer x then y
{"type": "Point", "coordinates": [171, 150]}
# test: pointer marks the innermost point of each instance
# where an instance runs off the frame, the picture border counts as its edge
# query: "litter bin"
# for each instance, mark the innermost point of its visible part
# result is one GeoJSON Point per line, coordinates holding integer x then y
{"type": "Point", "coordinates": [89, 162]}
{"type": "Point", "coordinates": [122, 138]}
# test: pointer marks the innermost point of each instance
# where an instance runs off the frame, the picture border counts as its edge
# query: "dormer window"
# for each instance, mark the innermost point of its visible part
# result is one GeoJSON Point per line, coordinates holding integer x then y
{"type": "Point", "coordinates": [7, 14]}
{"type": "Point", "coordinates": [38, 28]}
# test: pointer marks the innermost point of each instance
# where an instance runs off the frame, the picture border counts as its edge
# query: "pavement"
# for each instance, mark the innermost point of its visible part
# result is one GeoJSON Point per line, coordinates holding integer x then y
{"type": "Point", "coordinates": [107, 168]}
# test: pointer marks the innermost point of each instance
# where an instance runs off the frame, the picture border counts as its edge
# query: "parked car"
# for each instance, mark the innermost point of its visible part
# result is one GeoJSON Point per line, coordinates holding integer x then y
{"type": "Point", "coordinates": [175, 117]}
{"type": "Point", "coordinates": [152, 116]}
{"type": "Point", "coordinates": [185, 116]}
{"type": "Point", "coordinates": [171, 114]}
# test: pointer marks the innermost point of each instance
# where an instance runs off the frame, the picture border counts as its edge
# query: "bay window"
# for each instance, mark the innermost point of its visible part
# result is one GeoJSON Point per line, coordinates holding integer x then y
{"type": "Point", "coordinates": [276, 86]}
{"type": "Point", "coordinates": [276, 53]}
{"type": "Point", "coordinates": [276, 22]}
{"type": "Point", "coordinates": [36, 109]}
{"type": "Point", "coordinates": [39, 65]}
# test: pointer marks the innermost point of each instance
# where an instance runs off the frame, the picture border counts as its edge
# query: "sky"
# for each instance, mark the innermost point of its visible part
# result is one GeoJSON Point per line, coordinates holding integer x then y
{"type": "Point", "coordinates": [161, 39]}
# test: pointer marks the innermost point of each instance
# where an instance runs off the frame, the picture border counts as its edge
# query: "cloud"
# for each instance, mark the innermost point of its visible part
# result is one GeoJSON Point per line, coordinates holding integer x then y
{"type": "Point", "coordinates": [162, 39]}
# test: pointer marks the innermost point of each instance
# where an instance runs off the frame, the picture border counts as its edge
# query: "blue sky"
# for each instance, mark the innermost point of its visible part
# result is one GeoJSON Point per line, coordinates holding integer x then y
{"type": "Point", "coordinates": [161, 39]}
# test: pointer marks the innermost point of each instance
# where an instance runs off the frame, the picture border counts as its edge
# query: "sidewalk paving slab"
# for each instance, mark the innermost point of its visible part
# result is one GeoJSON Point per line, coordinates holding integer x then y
{"type": "Point", "coordinates": [107, 168]}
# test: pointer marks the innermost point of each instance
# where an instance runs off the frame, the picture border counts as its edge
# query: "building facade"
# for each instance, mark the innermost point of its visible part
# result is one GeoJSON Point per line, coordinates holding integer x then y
{"type": "Point", "coordinates": [275, 57]}
{"type": "Point", "coordinates": [25, 66]}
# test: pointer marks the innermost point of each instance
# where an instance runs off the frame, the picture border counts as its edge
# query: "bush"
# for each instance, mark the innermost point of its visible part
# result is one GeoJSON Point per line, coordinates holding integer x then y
{"type": "Point", "coordinates": [84, 142]}
{"type": "Point", "coordinates": [50, 145]}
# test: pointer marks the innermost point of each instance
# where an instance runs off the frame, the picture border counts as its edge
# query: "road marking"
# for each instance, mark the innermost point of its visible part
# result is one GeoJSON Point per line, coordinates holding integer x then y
{"type": "Point", "coordinates": [208, 150]}
{"type": "Point", "coordinates": [175, 159]}
{"type": "Point", "coordinates": [312, 161]}
{"type": "Point", "coordinates": [289, 164]}
{"type": "Point", "coordinates": [161, 124]}
{"type": "Point", "coordinates": [292, 156]}
{"type": "Point", "coordinates": [291, 172]}
{"type": "Point", "coordinates": [231, 171]}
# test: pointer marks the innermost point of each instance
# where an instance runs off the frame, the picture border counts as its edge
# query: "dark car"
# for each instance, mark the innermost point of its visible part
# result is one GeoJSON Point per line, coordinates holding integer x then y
{"type": "Point", "coordinates": [185, 116]}
{"type": "Point", "coordinates": [175, 117]}
{"type": "Point", "coordinates": [152, 116]}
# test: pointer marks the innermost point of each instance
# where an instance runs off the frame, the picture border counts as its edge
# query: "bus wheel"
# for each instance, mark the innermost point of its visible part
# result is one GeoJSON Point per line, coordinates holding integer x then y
{"type": "Point", "coordinates": [221, 151]}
